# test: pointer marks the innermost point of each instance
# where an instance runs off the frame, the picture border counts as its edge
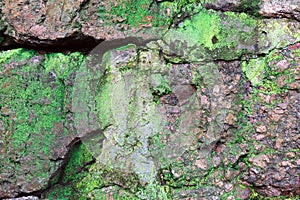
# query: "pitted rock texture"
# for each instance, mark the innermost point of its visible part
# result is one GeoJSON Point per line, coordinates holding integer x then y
{"type": "Point", "coordinates": [42, 20]}
{"type": "Point", "coordinates": [285, 8]}
{"type": "Point", "coordinates": [25, 198]}
{"type": "Point", "coordinates": [266, 8]}
{"type": "Point", "coordinates": [46, 22]}
{"type": "Point", "coordinates": [150, 113]}
{"type": "Point", "coordinates": [210, 35]}
{"type": "Point", "coordinates": [275, 171]}
{"type": "Point", "coordinates": [34, 125]}
{"type": "Point", "coordinates": [208, 110]}
{"type": "Point", "coordinates": [36, 22]}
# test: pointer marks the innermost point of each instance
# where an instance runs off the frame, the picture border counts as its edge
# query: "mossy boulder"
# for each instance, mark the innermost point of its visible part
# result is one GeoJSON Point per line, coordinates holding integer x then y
{"type": "Point", "coordinates": [209, 110]}
{"type": "Point", "coordinates": [144, 114]}
{"type": "Point", "coordinates": [211, 35]}
{"type": "Point", "coordinates": [34, 127]}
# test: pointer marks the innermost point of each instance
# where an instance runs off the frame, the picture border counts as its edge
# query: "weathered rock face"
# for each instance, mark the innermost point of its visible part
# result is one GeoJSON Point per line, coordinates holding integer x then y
{"type": "Point", "coordinates": [36, 21]}
{"type": "Point", "coordinates": [274, 112]}
{"type": "Point", "coordinates": [46, 22]}
{"type": "Point", "coordinates": [266, 8]}
{"type": "Point", "coordinates": [41, 20]}
{"type": "Point", "coordinates": [34, 125]}
{"type": "Point", "coordinates": [150, 113]}
{"type": "Point", "coordinates": [204, 105]}
{"type": "Point", "coordinates": [211, 35]}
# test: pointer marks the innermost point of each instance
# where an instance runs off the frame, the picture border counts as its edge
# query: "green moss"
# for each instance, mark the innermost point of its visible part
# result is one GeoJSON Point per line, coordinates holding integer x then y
{"type": "Point", "coordinates": [161, 87]}
{"type": "Point", "coordinates": [238, 29]}
{"type": "Point", "coordinates": [91, 182]}
{"type": "Point", "coordinates": [202, 28]}
{"type": "Point", "coordinates": [276, 34]}
{"type": "Point", "coordinates": [74, 172]}
{"type": "Point", "coordinates": [254, 70]}
{"type": "Point", "coordinates": [62, 64]}
{"type": "Point", "coordinates": [210, 35]}
{"type": "Point", "coordinates": [26, 91]}
{"type": "Point", "coordinates": [206, 28]}
{"type": "Point", "coordinates": [79, 157]}
{"type": "Point", "coordinates": [154, 191]}
{"type": "Point", "coordinates": [263, 72]}
{"type": "Point", "coordinates": [104, 104]}
{"type": "Point", "coordinates": [101, 176]}
{"type": "Point", "coordinates": [92, 185]}
{"type": "Point", "coordinates": [59, 192]}
{"type": "Point", "coordinates": [15, 54]}
{"type": "Point", "coordinates": [34, 100]}
{"type": "Point", "coordinates": [243, 17]}
{"type": "Point", "coordinates": [134, 13]}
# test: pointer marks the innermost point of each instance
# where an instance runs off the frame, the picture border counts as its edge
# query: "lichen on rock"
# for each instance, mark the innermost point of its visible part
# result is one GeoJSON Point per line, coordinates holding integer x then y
{"type": "Point", "coordinates": [186, 99]}
{"type": "Point", "coordinates": [34, 103]}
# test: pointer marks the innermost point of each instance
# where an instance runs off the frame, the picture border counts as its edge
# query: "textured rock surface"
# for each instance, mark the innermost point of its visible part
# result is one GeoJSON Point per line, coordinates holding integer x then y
{"type": "Point", "coordinates": [46, 22]}
{"type": "Point", "coordinates": [208, 108]}
{"type": "Point", "coordinates": [274, 112]}
{"type": "Point", "coordinates": [34, 126]}
{"type": "Point", "coordinates": [150, 111]}
{"type": "Point", "coordinates": [211, 35]}
{"type": "Point", "coordinates": [266, 8]}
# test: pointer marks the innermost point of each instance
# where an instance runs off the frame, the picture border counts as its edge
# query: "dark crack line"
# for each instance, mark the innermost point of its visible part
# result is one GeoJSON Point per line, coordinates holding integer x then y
{"type": "Point", "coordinates": [75, 43]}
{"type": "Point", "coordinates": [60, 173]}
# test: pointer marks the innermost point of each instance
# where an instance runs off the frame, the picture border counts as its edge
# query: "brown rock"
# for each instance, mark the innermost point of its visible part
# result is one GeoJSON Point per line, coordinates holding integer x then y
{"type": "Point", "coordinates": [5, 111]}
{"type": "Point", "coordinates": [260, 160]}
{"type": "Point", "coordinates": [228, 187]}
{"type": "Point", "coordinates": [230, 119]}
{"type": "Point", "coordinates": [290, 154]}
{"type": "Point", "coordinates": [284, 8]}
{"type": "Point", "coordinates": [278, 143]}
{"type": "Point", "coordinates": [261, 129]}
{"type": "Point", "coordinates": [282, 65]}
{"type": "Point", "coordinates": [202, 164]}
{"type": "Point", "coordinates": [243, 193]}
{"type": "Point", "coordinates": [278, 111]}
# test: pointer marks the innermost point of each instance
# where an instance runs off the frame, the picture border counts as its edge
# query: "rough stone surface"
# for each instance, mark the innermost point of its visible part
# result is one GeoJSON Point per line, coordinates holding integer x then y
{"type": "Point", "coordinates": [211, 35]}
{"type": "Point", "coordinates": [209, 109]}
{"type": "Point", "coordinates": [25, 198]}
{"type": "Point", "coordinates": [47, 22]}
{"type": "Point", "coordinates": [42, 20]}
{"type": "Point", "coordinates": [277, 126]}
{"type": "Point", "coordinates": [286, 8]}
{"type": "Point", "coordinates": [266, 8]}
{"type": "Point", "coordinates": [153, 115]}
{"type": "Point", "coordinates": [35, 133]}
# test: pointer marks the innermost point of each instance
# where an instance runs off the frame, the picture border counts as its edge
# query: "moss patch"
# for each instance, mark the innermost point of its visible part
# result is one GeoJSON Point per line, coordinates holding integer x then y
{"type": "Point", "coordinates": [33, 100]}
{"type": "Point", "coordinates": [254, 70]}
{"type": "Point", "coordinates": [134, 13]}
{"type": "Point", "coordinates": [202, 28]}
{"type": "Point", "coordinates": [209, 35]}
{"type": "Point", "coordinates": [263, 72]}
{"type": "Point", "coordinates": [75, 170]}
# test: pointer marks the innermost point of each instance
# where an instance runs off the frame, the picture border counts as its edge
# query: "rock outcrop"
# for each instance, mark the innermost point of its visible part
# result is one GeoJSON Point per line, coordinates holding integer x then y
{"type": "Point", "coordinates": [180, 99]}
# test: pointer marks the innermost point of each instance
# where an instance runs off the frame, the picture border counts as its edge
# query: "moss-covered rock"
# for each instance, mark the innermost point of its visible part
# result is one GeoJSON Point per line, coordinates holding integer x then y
{"type": "Point", "coordinates": [271, 110]}
{"type": "Point", "coordinates": [34, 106]}
{"type": "Point", "coordinates": [207, 111]}
{"type": "Point", "coordinates": [78, 162]}
{"type": "Point", "coordinates": [147, 116]}
{"type": "Point", "coordinates": [211, 35]}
